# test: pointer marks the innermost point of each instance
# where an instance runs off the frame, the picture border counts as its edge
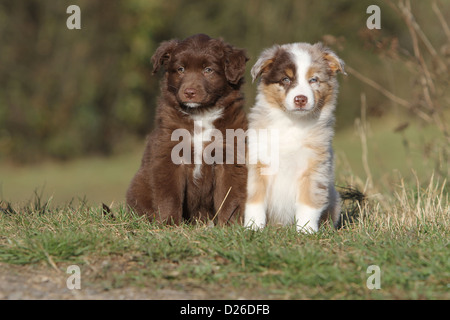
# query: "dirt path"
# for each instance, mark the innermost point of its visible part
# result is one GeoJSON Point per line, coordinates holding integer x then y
{"type": "Point", "coordinates": [43, 282]}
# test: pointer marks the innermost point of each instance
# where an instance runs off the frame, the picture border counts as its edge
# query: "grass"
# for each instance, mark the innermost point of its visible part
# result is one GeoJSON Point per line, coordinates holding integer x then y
{"type": "Point", "coordinates": [406, 235]}
{"type": "Point", "coordinates": [398, 220]}
{"type": "Point", "coordinates": [93, 180]}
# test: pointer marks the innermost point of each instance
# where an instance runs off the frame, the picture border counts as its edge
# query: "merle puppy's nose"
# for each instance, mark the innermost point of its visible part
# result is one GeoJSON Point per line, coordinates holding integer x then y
{"type": "Point", "coordinates": [190, 93]}
{"type": "Point", "coordinates": [300, 101]}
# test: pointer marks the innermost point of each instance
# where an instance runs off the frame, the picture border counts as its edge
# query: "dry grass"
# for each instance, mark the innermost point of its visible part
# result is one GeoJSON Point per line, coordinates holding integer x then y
{"type": "Point", "coordinates": [408, 208]}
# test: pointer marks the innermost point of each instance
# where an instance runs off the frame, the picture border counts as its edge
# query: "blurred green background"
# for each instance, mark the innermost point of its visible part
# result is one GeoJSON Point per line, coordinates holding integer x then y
{"type": "Point", "coordinates": [76, 105]}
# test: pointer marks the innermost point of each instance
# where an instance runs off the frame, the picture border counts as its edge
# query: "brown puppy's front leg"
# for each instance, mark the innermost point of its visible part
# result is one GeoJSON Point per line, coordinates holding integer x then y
{"type": "Point", "coordinates": [168, 188]}
{"type": "Point", "coordinates": [230, 193]}
{"type": "Point", "coordinates": [139, 197]}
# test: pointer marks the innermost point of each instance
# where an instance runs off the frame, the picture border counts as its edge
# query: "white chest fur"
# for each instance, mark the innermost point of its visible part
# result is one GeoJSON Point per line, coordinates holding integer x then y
{"type": "Point", "coordinates": [293, 161]}
{"type": "Point", "coordinates": [203, 132]}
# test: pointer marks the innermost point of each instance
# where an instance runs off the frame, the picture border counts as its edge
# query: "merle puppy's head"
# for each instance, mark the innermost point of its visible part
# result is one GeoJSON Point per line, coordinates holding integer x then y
{"type": "Point", "coordinates": [299, 78]}
{"type": "Point", "coordinates": [200, 70]}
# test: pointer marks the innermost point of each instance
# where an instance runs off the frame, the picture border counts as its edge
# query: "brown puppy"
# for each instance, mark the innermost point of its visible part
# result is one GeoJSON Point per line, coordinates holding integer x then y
{"type": "Point", "coordinates": [200, 100]}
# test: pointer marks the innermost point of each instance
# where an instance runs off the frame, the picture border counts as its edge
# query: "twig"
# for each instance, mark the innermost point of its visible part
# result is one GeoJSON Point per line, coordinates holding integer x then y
{"type": "Point", "coordinates": [362, 129]}
{"type": "Point", "coordinates": [220, 208]}
{"type": "Point", "coordinates": [441, 18]}
{"type": "Point", "coordinates": [408, 17]}
{"type": "Point", "coordinates": [50, 260]}
{"type": "Point", "coordinates": [428, 44]}
{"type": "Point", "coordinates": [387, 93]}
{"type": "Point", "coordinates": [404, 9]}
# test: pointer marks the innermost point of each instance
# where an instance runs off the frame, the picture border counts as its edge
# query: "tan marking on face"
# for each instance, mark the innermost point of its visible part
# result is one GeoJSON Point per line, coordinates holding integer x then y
{"type": "Point", "coordinates": [328, 94]}
{"type": "Point", "coordinates": [312, 70]}
{"type": "Point", "coordinates": [323, 91]}
{"type": "Point", "coordinates": [289, 72]}
{"type": "Point", "coordinates": [275, 95]}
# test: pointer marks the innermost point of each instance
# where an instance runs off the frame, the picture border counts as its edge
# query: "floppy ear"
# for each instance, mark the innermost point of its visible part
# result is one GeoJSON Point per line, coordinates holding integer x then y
{"type": "Point", "coordinates": [161, 57]}
{"type": "Point", "coordinates": [335, 64]}
{"type": "Point", "coordinates": [264, 62]}
{"type": "Point", "coordinates": [235, 60]}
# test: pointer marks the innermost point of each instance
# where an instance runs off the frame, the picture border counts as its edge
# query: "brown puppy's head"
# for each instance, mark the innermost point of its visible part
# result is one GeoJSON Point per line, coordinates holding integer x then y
{"type": "Point", "coordinates": [200, 70]}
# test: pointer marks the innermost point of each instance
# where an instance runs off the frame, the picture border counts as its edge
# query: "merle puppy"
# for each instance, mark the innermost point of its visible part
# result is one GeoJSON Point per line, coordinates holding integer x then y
{"type": "Point", "coordinates": [200, 95]}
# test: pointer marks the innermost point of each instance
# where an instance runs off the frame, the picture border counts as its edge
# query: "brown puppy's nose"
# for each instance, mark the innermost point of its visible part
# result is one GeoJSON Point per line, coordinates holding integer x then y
{"type": "Point", "coordinates": [300, 101]}
{"type": "Point", "coordinates": [190, 93]}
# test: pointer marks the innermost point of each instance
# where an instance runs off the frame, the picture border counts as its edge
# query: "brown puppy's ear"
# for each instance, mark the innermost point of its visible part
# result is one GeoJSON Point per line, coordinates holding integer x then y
{"type": "Point", "coordinates": [335, 64]}
{"type": "Point", "coordinates": [161, 57]}
{"type": "Point", "coordinates": [264, 62]}
{"type": "Point", "coordinates": [235, 60]}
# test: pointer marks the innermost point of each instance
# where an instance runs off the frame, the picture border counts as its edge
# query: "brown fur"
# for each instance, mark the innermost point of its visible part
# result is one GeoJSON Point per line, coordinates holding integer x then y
{"type": "Point", "coordinates": [166, 191]}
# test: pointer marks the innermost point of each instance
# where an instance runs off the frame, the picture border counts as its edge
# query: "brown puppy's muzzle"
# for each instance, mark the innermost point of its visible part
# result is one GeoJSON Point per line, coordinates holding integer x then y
{"type": "Point", "coordinates": [192, 89]}
{"type": "Point", "coordinates": [190, 93]}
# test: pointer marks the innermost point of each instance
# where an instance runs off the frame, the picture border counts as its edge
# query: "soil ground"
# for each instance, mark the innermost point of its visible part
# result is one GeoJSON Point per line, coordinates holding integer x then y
{"type": "Point", "coordinates": [39, 282]}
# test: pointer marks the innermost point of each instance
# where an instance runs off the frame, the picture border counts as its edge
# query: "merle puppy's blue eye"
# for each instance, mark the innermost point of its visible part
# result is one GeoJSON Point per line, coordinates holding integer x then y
{"type": "Point", "coordinates": [313, 80]}
{"type": "Point", "coordinates": [286, 80]}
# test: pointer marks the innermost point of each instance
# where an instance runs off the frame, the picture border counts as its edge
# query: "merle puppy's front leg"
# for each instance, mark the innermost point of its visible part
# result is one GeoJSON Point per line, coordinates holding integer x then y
{"type": "Point", "coordinates": [312, 201]}
{"type": "Point", "coordinates": [255, 207]}
{"type": "Point", "coordinates": [307, 218]}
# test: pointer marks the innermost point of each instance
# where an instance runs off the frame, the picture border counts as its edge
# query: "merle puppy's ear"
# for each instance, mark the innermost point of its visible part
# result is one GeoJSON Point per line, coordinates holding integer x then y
{"type": "Point", "coordinates": [335, 64]}
{"type": "Point", "coordinates": [235, 60]}
{"type": "Point", "coordinates": [162, 55]}
{"type": "Point", "coordinates": [264, 62]}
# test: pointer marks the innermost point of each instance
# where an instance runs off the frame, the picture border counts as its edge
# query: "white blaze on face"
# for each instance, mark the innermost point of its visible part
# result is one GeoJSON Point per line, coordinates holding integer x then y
{"type": "Point", "coordinates": [302, 87]}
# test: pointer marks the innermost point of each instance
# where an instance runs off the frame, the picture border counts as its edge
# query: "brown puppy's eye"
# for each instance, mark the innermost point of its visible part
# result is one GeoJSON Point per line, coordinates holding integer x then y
{"type": "Point", "coordinates": [180, 70]}
{"type": "Point", "coordinates": [286, 80]}
{"type": "Point", "coordinates": [207, 71]}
